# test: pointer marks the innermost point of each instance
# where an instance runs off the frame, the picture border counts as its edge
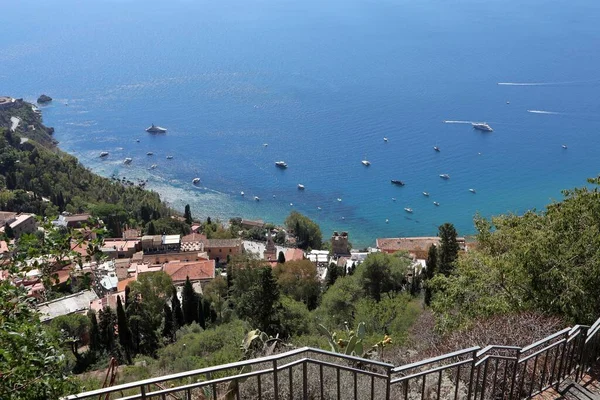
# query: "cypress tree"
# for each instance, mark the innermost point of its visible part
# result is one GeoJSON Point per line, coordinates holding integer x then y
{"type": "Point", "coordinates": [124, 332]}
{"type": "Point", "coordinates": [332, 274]}
{"type": "Point", "coordinates": [168, 331]}
{"type": "Point", "coordinates": [94, 332]}
{"type": "Point", "coordinates": [151, 229]}
{"type": "Point", "coordinates": [430, 272]}
{"type": "Point", "coordinates": [127, 294]}
{"type": "Point", "coordinates": [189, 303]}
{"type": "Point", "coordinates": [201, 318]}
{"type": "Point", "coordinates": [188, 214]}
{"type": "Point", "coordinates": [268, 300]}
{"type": "Point", "coordinates": [281, 258]}
{"type": "Point", "coordinates": [448, 252]}
{"type": "Point", "coordinates": [178, 319]}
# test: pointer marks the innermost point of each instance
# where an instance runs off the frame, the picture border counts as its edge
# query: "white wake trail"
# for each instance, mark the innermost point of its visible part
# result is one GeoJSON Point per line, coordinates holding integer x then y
{"type": "Point", "coordinates": [543, 112]}
{"type": "Point", "coordinates": [457, 122]}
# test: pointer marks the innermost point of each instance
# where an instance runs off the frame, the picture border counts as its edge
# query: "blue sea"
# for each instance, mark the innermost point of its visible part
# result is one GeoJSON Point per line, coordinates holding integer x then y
{"type": "Point", "coordinates": [322, 83]}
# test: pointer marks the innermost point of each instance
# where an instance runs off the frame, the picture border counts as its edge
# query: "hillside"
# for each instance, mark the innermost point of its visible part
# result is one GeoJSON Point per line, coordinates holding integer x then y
{"type": "Point", "coordinates": [35, 176]}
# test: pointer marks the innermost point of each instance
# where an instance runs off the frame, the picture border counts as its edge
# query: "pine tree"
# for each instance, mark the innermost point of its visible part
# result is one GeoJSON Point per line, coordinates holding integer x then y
{"type": "Point", "coordinates": [448, 252]}
{"type": "Point", "coordinates": [168, 331]}
{"type": "Point", "coordinates": [188, 214]}
{"type": "Point", "coordinates": [332, 274]}
{"type": "Point", "coordinates": [151, 229]}
{"type": "Point", "coordinates": [124, 332]}
{"type": "Point", "coordinates": [268, 299]}
{"type": "Point", "coordinates": [106, 328]}
{"type": "Point", "coordinates": [189, 303]}
{"type": "Point", "coordinates": [281, 258]}
{"type": "Point", "coordinates": [178, 319]}
{"type": "Point", "coordinates": [430, 271]}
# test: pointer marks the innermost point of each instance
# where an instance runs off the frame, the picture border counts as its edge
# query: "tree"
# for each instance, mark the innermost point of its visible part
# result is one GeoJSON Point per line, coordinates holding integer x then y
{"type": "Point", "coordinates": [189, 303]}
{"type": "Point", "coordinates": [151, 229]}
{"type": "Point", "coordinates": [281, 258]}
{"type": "Point", "coordinates": [178, 318]}
{"type": "Point", "coordinates": [430, 270]}
{"type": "Point", "coordinates": [8, 231]}
{"type": "Point", "coordinates": [124, 332]}
{"type": "Point", "coordinates": [216, 293]}
{"type": "Point", "coordinates": [73, 329]}
{"type": "Point", "coordinates": [94, 332]}
{"type": "Point", "coordinates": [300, 281]}
{"type": "Point", "coordinates": [256, 297]}
{"type": "Point", "coordinates": [339, 302]}
{"type": "Point", "coordinates": [308, 233]}
{"type": "Point", "coordinates": [332, 274]}
{"type": "Point", "coordinates": [143, 327]}
{"type": "Point", "coordinates": [448, 251]}
{"type": "Point", "coordinates": [106, 329]}
{"type": "Point", "coordinates": [188, 215]}
{"type": "Point", "coordinates": [168, 331]}
{"type": "Point", "coordinates": [382, 273]}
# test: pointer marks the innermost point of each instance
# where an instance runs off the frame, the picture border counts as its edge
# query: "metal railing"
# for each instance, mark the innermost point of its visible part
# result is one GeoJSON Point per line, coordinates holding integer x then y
{"type": "Point", "coordinates": [494, 372]}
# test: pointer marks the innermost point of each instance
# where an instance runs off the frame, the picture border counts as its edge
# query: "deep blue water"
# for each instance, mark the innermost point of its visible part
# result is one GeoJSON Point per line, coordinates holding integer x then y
{"type": "Point", "coordinates": [322, 82]}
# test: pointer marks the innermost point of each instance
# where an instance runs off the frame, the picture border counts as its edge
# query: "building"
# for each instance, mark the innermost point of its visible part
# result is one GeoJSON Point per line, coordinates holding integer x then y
{"type": "Point", "coordinates": [7, 217]}
{"type": "Point", "coordinates": [161, 258]}
{"type": "Point", "coordinates": [131, 233]}
{"type": "Point", "coordinates": [418, 247]}
{"type": "Point", "coordinates": [121, 248]}
{"type": "Point", "coordinates": [197, 271]}
{"type": "Point", "coordinates": [193, 242]}
{"type": "Point", "coordinates": [161, 244]}
{"type": "Point", "coordinates": [75, 303]}
{"type": "Point", "coordinates": [72, 221]}
{"type": "Point", "coordinates": [23, 223]}
{"type": "Point", "coordinates": [270, 252]}
{"type": "Point", "coordinates": [339, 244]}
{"type": "Point", "coordinates": [219, 249]}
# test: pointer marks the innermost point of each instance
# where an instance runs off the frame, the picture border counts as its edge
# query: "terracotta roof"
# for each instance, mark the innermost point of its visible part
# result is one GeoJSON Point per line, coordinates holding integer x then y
{"type": "Point", "coordinates": [122, 284]}
{"type": "Point", "coordinates": [77, 218]}
{"type": "Point", "coordinates": [294, 255]}
{"type": "Point", "coordinates": [197, 270]}
{"type": "Point", "coordinates": [391, 245]}
{"type": "Point", "coordinates": [222, 243]}
{"type": "Point", "coordinates": [3, 246]}
{"type": "Point", "coordinates": [193, 237]}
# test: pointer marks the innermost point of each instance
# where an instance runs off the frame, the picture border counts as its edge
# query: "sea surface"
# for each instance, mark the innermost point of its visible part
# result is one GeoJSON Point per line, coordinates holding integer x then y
{"type": "Point", "coordinates": [322, 83]}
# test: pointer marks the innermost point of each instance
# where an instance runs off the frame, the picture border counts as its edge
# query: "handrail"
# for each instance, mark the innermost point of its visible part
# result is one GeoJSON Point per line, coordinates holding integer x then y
{"type": "Point", "coordinates": [575, 352]}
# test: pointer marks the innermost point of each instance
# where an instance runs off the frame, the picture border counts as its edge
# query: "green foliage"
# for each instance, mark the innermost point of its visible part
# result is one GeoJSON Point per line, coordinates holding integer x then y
{"type": "Point", "coordinates": [333, 272]}
{"type": "Point", "coordinates": [170, 226]}
{"type": "Point", "coordinates": [124, 331]}
{"type": "Point", "coordinates": [308, 233]}
{"type": "Point", "coordinates": [187, 214]}
{"type": "Point", "coordinates": [448, 251]}
{"type": "Point", "coordinates": [281, 258]}
{"type": "Point", "coordinates": [294, 318]}
{"type": "Point", "coordinates": [300, 281]}
{"type": "Point", "coordinates": [73, 331]}
{"type": "Point", "coordinates": [430, 272]}
{"type": "Point", "coordinates": [392, 316]}
{"type": "Point", "coordinates": [352, 345]}
{"type": "Point", "coordinates": [382, 273]}
{"type": "Point", "coordinates": [338, 304]}
{"type": "Point", "coordinates": [189, 303]}
{"type": "Point", "coordinates": [548, 262]}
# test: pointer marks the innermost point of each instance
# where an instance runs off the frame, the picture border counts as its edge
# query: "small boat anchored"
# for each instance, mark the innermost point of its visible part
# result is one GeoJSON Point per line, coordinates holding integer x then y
{"type": "Point", "coordinates": [281, 164]}
{"type": "Point", "coordinates": [444, 176]}
{"type": "Point", "coordinates": [196, 181]}
{"type": "Point", "coordinates": [366, 163]}
{"type": "Point", "coordinates": [256, 198]}
{"type": "Point", "coordinates": [104, 154]}
{"type": "Point", "coordinates": [397, 182]}
{"type": "Point", "coordinates": [436, 148]}
{"type": "Point", "coordinates": [153, 166]}
{"type": "Point", "coordinates": [155, 129]}
{"type": "Point", "coordinates": [149, 153]}
{"type": "Point", "coordinates": [408, 210]}
{"type": "Point", "coordinates": [300, 186]}
{"type": "Point", "coordinates": [472, 190]}
{"type": "Point", "coordinates": [169, 157]}
{"type": "Point", "coordinates": [482, 126]}
{"type": "Point", "coordinates": [436, 203]}
{"type": "Point", "coordinates": [127, 161]}
{"type": "Point", "coordinates": [564, 146]}
{"type": "Point", "coordinates": [242, 193]}
{"type": "Point", "coordinates": [385, 139]}
{"type": "Point", "coordinates": [426, 194]}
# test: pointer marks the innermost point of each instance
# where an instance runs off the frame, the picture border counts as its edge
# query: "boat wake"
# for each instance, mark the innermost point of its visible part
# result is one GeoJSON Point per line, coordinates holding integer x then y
{"type": "Point", "coordinates": [546, 83]}
{"type": "Point", "coordinates": [543, 112]}
{"type": "Point", "coordinates": [457, 122]}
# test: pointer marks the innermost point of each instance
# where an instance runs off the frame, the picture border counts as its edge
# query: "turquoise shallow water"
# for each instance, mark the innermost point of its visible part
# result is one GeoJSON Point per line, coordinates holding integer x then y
{"type": "Point", "coordinates": [322, 84]}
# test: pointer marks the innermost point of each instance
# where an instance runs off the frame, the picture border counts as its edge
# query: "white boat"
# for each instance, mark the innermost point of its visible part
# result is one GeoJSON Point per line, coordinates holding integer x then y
{"type": "Point", "coordinates": [507, 102]}
{"type": "Point", "coordinates": [444, 176]}
{"type": "Point", "coordinates": [482, 126]}
{"type": "Point", "coordinates": [149, 153]}
{"type": "Point", "coordinates": [169, 157]}
{"type": "Point", "coordinates": [436, 203]}
{"type": "Point", "coordinates": [155, 129]}
{"type": "Point", "coordinates": [265, 144]}
{"type": "Point", "coordinates": [196, 181]}
{"type": "Point", "coordinates": [104, 154]}
{"type": "Point", "coordinates": [281, 164]}
{"type": "Point", "coordinates": [300, 187]}
{"type": "Point", "coordinates": [366, 163]}
{"type": "Point", "coordinates": [564, 146]}
{"type": "Point", "coordinates": [127, 161]}
{"type": "Point", "coordinates": [137, 140]}
{"type": "Point", "coordinates": [241, 193]}
{"type": "Point", "coordinates": [318, 208]}
{"type": "Point", "coordinates": [291, 204]}
{"type": "Point", "coordinates": [153, 166]}
{"type": "Point", "coordinates": [408, 210]}
{"type": "Point", "coordinates": [339, 199]}
{"type": "Point", "coordinates": [387, 220]}
{"type": "Point", "coordinates": [426, 194]}
{"type": "Point", "coordinates": [256, 198]}
{"type": "Point", "coordinates": [472, 190]}
{"type": "Point", "coordinates": [385, 139]}
{"type": "Point", "coordinates": [436, 148]}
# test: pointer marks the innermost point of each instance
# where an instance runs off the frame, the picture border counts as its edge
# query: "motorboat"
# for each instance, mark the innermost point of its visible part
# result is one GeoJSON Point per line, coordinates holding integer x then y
{"type": "Point", "coordinates": [256, 198]}
{"type": "Point", "coordinates": [436, 148]}
{"type": "Point", "coordinates": [366, 163]}
{"type": "Point", "coordinates": [408, 209]}
{"type": "Point", "coordinates": [472, 190]}
{"type": "Point", "coordinates": [444, 176]}
{"type": "Point", "coordinates": [436, 203]}
{"type": "Point", "coordinates": [339, 199]}
{"type": "Point", "coordinates": [385, 139]}
{"type": "Point", "coordinates": [196, 181]}
{"type": "Point", "coordinates": [387, 220]}
{"type": "Point", "coordinates": [169, 157]}
{"type": "Point", "coordinates": [265, 144]}
{"type": "Point", "coordinates": [241, 193]}
{"type": "Point", "coordinates": [426, 194]}
{"type": "Point", "coordinates": [300, 187]}
{"type": "Point", "coordinates": [318, 208]}
{"type": "Point", "coordinates": [127, 161]}
{"type": "Point", "coordinates": [104, 154]}
{"type": "Point", "coordinates": [153, 166]}
{"type": "Point", "coordinates": [149, 153]}
{"type": "Point", "coordinates": [137, 140]}
{"type": "Point", "coordinates": [397, 182]}
{"type": "Point", "coordinates": [482, 126]}
{"type": "Point", "coordinates": [564, 146]}
{"type": "Point", "coordinates": [281, 164]}
{"type": "Point", "coordinates": [155, 129]}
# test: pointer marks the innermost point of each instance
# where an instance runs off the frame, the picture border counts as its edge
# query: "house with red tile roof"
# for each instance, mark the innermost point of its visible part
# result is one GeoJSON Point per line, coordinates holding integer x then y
{"type": "Point", "coordinates": [202, 271]}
